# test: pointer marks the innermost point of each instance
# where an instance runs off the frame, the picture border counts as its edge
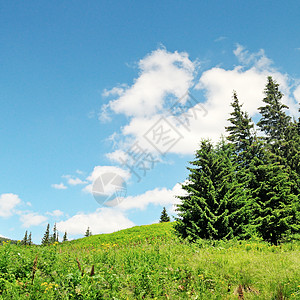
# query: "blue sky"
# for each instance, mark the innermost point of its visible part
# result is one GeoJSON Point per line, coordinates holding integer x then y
{"type": "Point", "coordinates": [82, 83]}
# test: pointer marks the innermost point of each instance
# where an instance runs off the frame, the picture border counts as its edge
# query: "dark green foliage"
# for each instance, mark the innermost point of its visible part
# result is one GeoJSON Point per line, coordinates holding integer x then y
{"type": "Point", "coordinates": [276, 209]}
{"type": "Point", "coordinates": [46, 238]}
{"type": "Point", "coordinates": [25, 239]}
{"type": "Point", "coordinates": [54, 236]}
{"type": "Point", "coordinates": [215, 206]}
{"type": "Point", "coordinates": [274, 120]}
{"type": "Point", "coordinates": [88, 232]}
{"type": "Point", "coordinates": [164, 216]}
{"type": "Point", "coordinates": [65, 238]}
{"type": "Point", "coordinates": [250, 185]}
{"type": "Point", "coordinates": [29, 241]}
{"type": "Point", "coordinates": [240, 132]}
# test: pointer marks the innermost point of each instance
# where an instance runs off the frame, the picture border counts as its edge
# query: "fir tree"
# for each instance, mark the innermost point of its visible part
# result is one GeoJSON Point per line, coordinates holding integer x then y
{"type": "Point", "coordinates": [215, 206]}
{"type": "Point", "coordinates": [25, 239]}
{"type": "Point", "coordinates": [88, 232]}
{"type": "Point", "coordinates": [46, 238]}
{"type": "Point", "coordinates": [240, 132]}
{"type": "Point", "coordinates": [54, 236]}
{"type": "Point", "coordinates": [276, 209]}
{"type": "Point", "coordinates": [29, 239]}
{"type": "Point", "coordinates": [164, 216]}
{"type": "Point", "coordinates": [65, 237]}
{"type": "Point", "coordinates": [274, 120]}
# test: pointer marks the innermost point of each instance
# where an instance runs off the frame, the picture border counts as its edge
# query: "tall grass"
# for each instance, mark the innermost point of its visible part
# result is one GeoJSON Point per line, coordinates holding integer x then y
{"type": "Point", "coordinates": [149, 262]}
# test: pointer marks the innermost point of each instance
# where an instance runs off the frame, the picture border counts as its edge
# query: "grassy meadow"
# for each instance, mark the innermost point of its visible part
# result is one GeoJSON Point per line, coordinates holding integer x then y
{"type": "Point", "coordinates": [150, 262]}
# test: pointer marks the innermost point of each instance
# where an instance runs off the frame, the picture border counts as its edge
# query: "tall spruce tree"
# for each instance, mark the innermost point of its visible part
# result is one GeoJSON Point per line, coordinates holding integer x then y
{"type": "Point", "coordinates": [276, 209]}
{"type": "Point", "coordinates": [282, 134]}
{"type": "Point", "coordinates": [274, 120]}
{"type": "Point", "coordinates": [46, 237]}
{"type": "Point", "coordinates": [164, 216]}
{"type": "Point", "coordinates": [215, 206]}
{"type": "Point", "coordinates": [240, 132]}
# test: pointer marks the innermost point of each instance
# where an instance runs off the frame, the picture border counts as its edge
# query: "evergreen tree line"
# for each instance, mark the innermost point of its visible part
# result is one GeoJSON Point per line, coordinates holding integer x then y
{"type": "Point", "coordinates": [52, 238]}
{"type": "Point", "coordinates": [48, 238]}
{"type": "Point", "coordinates": [247, 184]}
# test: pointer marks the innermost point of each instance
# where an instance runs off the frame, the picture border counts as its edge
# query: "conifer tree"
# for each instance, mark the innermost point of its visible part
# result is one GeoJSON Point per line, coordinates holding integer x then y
{"type": "Point", "coordinates": [291, 150]}
{"type": "Point", "coordinates": [46, 238]}
{"type": "Point", "coordinates": [215, 206]}
{"type": "Point", "coordinates": [54, 236]}
{"type": "Point", "coordinates": [164, 216]}
{"type": "Point", "coordinates": [65, 237]}
{"type": "Point", "coordinates": [274, 120]}
{"type": "Point", "coordinates": [88, 232]}
{"type": "Point", "coordinates": [276, 209]}
{"type": "Point", "coordinates": [29, 239]}
{"type": "Point", "coordinates": [240, 132]}
{"type": "Point", "coordinates": [25, 239]}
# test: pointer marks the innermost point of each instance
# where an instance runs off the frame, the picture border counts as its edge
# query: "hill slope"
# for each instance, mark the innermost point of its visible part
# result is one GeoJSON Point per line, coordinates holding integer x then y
{"type": "Point", "coordinates": [149, 262]}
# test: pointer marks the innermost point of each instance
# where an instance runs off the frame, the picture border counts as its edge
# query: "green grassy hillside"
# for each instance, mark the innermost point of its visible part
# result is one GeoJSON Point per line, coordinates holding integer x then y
{"type": "Point", "coordinates": [150, 262]}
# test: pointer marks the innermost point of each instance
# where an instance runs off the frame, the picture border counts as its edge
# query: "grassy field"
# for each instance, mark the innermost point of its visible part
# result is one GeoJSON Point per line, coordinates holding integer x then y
{"type": "Point", "coordinates": [149, 262]}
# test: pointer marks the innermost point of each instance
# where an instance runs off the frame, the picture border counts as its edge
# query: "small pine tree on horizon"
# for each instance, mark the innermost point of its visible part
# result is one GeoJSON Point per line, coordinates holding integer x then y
{"type": "Point", "coordinates": [65, 238]}
{"type": "Point", "coordinates": [164, 217]}
{"type": "Point", "coordinates": [54, 236]}
{"type": "Point", "coordinates": [46, 237]}
{"type": "Point", "coordinates": [25, 239]}
{"type": "Point", "coordinates": [88, 232]}
{"type": "Point", "coordinates": [29, 241]}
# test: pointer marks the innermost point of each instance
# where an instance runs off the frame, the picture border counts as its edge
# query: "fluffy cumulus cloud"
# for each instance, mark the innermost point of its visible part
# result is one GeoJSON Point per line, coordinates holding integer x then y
{"type": "Point", "coordinates": [297, 93]}
{"type": "Point", "coordinates": [161, 73]}
{"type": "Point", "coordinates": [103, 220]}
{"type": "Point", "coordinates": [29, 219]}
{"type": "Point", "coordinates": [158, 196]}
{"type": "Point", "coordinates": [8, 202]}
{"type": "Point", "coordinates": [166, 76]}
{"type": "Point", "coordinates": [110, 219]}
{"type": "Point", "coordinates": [100, 171]}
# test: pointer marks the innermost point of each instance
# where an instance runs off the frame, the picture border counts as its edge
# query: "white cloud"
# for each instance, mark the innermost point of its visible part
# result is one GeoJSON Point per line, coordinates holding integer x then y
{"type": "Point", "coordinates": [221, 38]}
{"type": "Point", "coordinates": [103, 220]}
{"type": "Point", "coordinates": [100, 171]}
{"type": "Point", "coordinates": [59, 186]}
{"type": "Point", "coordinates": [104, 116]}
{"type": "Point", "coordinates": [75, 181]}
{"type": "Point", "coordinates": [7, 204]}
{"type": "Point", "coordinates": [32, 219]}
{"type": "Point", "coordinates": [161, 74]}
{"type": "Point", "coordinates": [297, 93]}
{"type": "Point", "coordinates": [115, 91]}
{"type": "Point", "coordinates": [55, 213]}
{"type": "Point", "coordinates": [216, 84]}
{"type": "Point", "coordinates": [158, 196]}
{"type": "Point", "coordinates": [79, 172]}
{"type": "Point", "coordinates": [118, 156]}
